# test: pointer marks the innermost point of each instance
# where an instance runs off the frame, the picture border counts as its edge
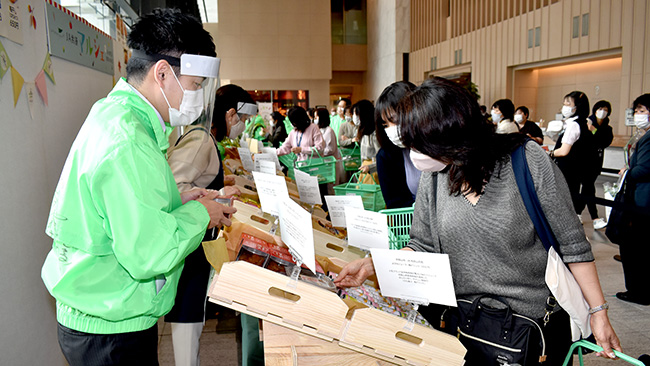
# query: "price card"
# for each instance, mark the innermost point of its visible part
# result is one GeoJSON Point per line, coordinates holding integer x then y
{"type": "Point", "coordinates": [271, 189]}
{"type": "Point", "coordinates": [366, 229]}
{"type": "Point", "coordinates": [262, 157]}
{"type": "Point", "coordinates": [296, 231]}
{"type": "Point", "coordinates": [267, 167]}
{"type": "Point", "coordinates": [336, 207]}
{"type": "Point", "coordinates": [274, 154]}
{"type": "Point", "coordinates": [416, 276]}
{"type": "Point", "coordinates": [308, 188]}
{"type": "Point", "coordinates": [246, 159]}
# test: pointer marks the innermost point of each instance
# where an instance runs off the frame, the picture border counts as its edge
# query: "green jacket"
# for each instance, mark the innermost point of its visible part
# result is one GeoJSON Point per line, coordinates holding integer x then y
{"type": "Point", "coordinates": [117, 221]}
{"type": "Point", "coordinates": [255, 129]}
{"type": "Point", "coordinates": [335, 123]}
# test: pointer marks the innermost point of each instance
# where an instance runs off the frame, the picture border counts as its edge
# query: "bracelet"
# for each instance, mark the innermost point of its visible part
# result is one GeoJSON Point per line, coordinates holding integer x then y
{"type": "Point", "coordinates": [598, 308]}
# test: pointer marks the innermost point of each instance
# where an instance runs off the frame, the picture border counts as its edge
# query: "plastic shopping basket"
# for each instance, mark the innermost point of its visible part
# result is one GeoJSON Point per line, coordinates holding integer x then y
{"type": "Point", "coordinates": [321, 167]}
{"type": "Point", "coordinates": [351, 158]}
{"type": "Point", "coordinates": [586, 344]}
{"type": "Point", "coordinates": [288, 160]}
{"type": "Point", "coordinates": [370, 193]}
{"type": "Point", "coordinates": [399, 226]}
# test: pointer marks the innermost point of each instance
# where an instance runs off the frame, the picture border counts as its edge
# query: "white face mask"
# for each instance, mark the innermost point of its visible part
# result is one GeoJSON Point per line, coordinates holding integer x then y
{"type": "Point", "coordinates": [567, 111]}
{"type": "Point", "coordinates": [519, 118]}
{"type": "Point", "coordinates": [425, 163]}
{"type": "Point", "coordinates": [237, 128]}
{"type": "Point", "coordinates": [355, 120]}
{"type": "Point", "coordinates": [393, 134]}
{"type": "Point", "coordinates": [190, 109]}
{"type": "Point", "coordinates": [496, 117]}
{"type": "Point", "coordinates": [316, 120]}
{"type": "Point", "coordinates": [601, 114]}
{"type": "Point", "coordinates": [641, 121]}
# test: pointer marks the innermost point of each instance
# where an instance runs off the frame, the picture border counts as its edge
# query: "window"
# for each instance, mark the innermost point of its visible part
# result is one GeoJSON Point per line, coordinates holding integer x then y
{"type": "Point", "coordinates": [538, 36]}
{"type": "Point", "coordinates": [100, 15]}
{"type": "Point", "coordinates": [530, 38]}
{"type": "Point", "coordinates": [460, 56]}
{"type": "Point", "coordinates": [576, 27]}
{"type": "Point", "coordinates": [349, 24]}
{"type": "Point", "coordinates": [434, 63]}
{"type": "Point", "coordinates": [585, 24]}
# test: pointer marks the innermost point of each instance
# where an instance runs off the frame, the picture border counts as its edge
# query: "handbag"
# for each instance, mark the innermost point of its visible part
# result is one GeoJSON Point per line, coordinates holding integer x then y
{"type": "Point", "coordinates": [559, 278]}
{"type": "Point", "coordinates": [620, 219]}
{"type": "Point", "coordinates": [497, 336]}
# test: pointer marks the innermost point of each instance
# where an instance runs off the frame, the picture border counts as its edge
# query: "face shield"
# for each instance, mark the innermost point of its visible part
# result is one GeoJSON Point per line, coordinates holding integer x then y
{"type": "Point", "coordinates": [205, 71]}
{"type": "Point", "coordinates": [245, 111]}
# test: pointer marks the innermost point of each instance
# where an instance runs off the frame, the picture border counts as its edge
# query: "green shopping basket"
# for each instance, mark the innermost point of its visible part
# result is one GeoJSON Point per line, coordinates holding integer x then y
{"type": "Point", "coordinates": [287, 160]}
{"type": "Point", "coordinates": [399, 226]}
{"type": "Point", "coordinates": [351, 158]}
{"type": "Point", "coordinates": [321, 167]}
{"type": "Point", "coordinates": [586, 344]}
{"type": "Point", "coordinates": [370, 193]}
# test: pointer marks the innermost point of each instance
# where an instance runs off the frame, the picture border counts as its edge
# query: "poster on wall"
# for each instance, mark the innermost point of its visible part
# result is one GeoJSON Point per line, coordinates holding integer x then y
{"type": "Point", "coordinates": [10, 20]}
{"type": "Point", "coordinates": [74, 39]}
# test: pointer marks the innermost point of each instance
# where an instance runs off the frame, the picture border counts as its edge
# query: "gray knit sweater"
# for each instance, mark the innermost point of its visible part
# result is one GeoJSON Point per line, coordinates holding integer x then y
{"type": "Point", "coordinates": [493, 247]}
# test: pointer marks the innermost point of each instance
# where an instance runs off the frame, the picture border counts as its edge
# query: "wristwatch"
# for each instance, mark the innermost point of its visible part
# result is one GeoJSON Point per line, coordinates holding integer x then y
{"type": "Point", "coordinates": [598, 308]}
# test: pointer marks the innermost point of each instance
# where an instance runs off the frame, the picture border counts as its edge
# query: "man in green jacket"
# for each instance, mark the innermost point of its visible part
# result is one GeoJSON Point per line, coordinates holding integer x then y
{"type": "Point", "coordinates": [121, 228]}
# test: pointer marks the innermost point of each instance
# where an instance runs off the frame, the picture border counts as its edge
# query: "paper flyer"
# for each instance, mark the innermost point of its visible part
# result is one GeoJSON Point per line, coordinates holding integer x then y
{"type": "Point", "coordinates": [10, 19]}
{"type": "Point", "coordinates": [274, 154]}
{"type": "Point", "coordinates": [415, 276]}
{"type": "Point", "coordinates": [296, 231]}
{"type": "Point", "coordinates": [246, 159]}
{"type": "Point", "coordinates": [262, 157]}
{"type": "Point", "coordinates": [271, 189]}
{"type": "Point", "coordinates": [336, 207]}
{"type": "Point", "coordinates": [308, 188]}
{"type": "Point", "coordinates": [267, 167]}
{"type": "Point", "coordinates": [366, 229]}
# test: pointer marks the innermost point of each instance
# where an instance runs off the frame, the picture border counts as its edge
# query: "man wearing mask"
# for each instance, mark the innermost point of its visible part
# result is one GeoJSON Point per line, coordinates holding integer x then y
{"type": "Point", "coordinates": [121, 228]}
{"type": "Point", "coordinates": [339, 119]}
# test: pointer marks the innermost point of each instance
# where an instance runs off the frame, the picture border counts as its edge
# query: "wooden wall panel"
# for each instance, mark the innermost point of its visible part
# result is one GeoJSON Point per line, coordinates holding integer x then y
{"type": "Point", "coordinates": [604, 23]}
{"type": "Point", "coordinates": [594, 24]}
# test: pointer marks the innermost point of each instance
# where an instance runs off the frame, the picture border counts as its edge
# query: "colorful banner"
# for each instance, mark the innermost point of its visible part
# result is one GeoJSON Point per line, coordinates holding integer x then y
{"type": "Point", "coordinates": [30, 90]}
{"type": "Point", "coordinates": [47, 68]}
{"type": "Point", "coordinates": [5, 62]}
{"type": "Point", "coordinates": [10, 15]}
{"type": "Point", "coordinates": [40, 86]}
{"type": "Point", "coordinates": [17, 82]}
{"type": "Point", "coordinates": [74, 39]}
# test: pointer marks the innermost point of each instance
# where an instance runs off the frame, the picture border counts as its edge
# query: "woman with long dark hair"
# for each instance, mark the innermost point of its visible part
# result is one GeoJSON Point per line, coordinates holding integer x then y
{"type": "Point", "coordinates": [304, 137]}
{"type": "Point", "coordinates": [575, 151]}
{"type": "Point", "coordinates": [468, 206]}
{"type": "Point", "coordinates": [363, 115]}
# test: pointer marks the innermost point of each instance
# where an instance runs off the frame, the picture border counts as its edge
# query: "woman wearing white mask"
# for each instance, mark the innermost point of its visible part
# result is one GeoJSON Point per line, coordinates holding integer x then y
{"type": "Point", "coordinates": [598, 124]}
{"type": "Point", "coordinates": [322, 120]}
{"type": "Point", "coordinates": [635, 251]}
{"type": "Point", "coordinates": [575, 151]}
{"type": "Point", "coordinates": [304, 138]}
{"type": "Point", "coordinates": [348, 130]}
{"type": "Point", "coordinates": [502, 115]}
{"type": "Point", "coordinates": [363, 116]}
{"type": "Point", "coordinates": [528, 128]}
{"type": "Point", "coordinates": [397, 175]}
{"type": "Point", "coordinates": [469, 207]}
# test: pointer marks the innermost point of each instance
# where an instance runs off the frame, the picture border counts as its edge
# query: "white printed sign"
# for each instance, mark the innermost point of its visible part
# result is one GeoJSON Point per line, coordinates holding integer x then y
{"type": "Point", "coordinates": [308, 188]}
{"type": "Point", "coordinates": [274, 154]}
{"type": "Point", "coordinates": [416, 276]}
{"type": "Point", "coordinates": [296, 231]}
{"type": "Point", "coordinates": [336, 207]}
{"type": "Point", "coordinates": [272, 189]}
{"type": "Point", "coordinates": [366, 229]}
{"type": "Point", "coordinates": [246, 159]}
{"type": "Point", "coordinates": [267, 167]}
{"type": "Point", "coordinates": [262, 157]}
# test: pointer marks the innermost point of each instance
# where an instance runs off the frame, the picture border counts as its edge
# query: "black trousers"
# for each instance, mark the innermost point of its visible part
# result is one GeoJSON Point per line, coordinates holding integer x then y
{"type": "Point", "coordinates": [635, 252]}
{"type": "Point", "coordinates": [86, 349]}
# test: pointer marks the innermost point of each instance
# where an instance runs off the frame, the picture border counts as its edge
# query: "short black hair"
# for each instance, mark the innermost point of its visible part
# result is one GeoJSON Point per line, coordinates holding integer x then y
{"type": "Point", "coordinates": [323, 117]}
{"type": "Point", "coordinates": [298, 118]}
{"type": "Point", "coordinates": [581, 102]}
{"type": "Point", "coordinates": [366, 112]}
{"type": "Point", "coordinates": [643, 100]}
{"type": "Point", "coordinates": [227, 97]}
{"type": "Point", "coordinates": [385, 105]}
{"type": "Point", "coordinates": [524, 110]}
{"type": "Point", "coordinates": [506, 107]}
{"type": "Point", "coordinates": [277, 116]}
{"type": "Point", "coordinates": [483, 108]}
{"type": "Point", "coordinates": [166, 32]}
{"type": "Point", "coordinates": [602, 104]}
{"type": "Point", "coordinates": [310, 112]}
{"type": "Point", "coordinates": [346, 100]}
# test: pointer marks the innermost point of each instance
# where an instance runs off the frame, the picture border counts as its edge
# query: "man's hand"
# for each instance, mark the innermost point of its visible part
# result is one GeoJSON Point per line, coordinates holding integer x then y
{"type": "Point", "coordinates": [296, 150]}
{"type": "Point", "coordinates": [193, 194]}
{"type": "Point", "coordinates": [229, 180]}
{"type": "Point", "coordinates": [219, 214]}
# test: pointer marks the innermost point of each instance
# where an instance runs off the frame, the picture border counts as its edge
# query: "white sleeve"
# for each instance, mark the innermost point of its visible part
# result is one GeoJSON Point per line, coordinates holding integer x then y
{"type": "Point", "coordinates": [571, 133]}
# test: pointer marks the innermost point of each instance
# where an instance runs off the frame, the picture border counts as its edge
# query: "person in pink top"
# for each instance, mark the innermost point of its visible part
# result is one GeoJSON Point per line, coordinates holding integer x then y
{"type": "Point", "coordinates": [304, 137]}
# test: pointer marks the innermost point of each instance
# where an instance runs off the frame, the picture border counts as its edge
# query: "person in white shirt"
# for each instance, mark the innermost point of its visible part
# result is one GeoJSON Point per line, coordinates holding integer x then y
{"type": "Point", "coordinates": [503, 111]}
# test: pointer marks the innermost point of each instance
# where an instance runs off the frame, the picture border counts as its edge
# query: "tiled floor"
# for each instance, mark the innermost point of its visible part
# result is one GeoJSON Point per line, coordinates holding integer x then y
{"type": "Point", "coordinates": [631, 321]}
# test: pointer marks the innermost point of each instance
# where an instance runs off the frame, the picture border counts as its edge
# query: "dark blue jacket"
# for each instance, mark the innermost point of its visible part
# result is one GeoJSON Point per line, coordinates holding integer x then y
{"type": "Point", "coordinates": [392, 178]}
{"type": "Point", "coordinates": [639, 173]}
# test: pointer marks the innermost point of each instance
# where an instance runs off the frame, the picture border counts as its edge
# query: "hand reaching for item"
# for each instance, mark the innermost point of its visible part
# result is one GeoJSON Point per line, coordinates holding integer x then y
{"type": "Point", "coordinates": [355, 273]}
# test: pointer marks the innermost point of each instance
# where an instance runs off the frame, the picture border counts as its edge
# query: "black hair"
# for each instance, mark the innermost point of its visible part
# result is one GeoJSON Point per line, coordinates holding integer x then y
{"type": "Point", "coordinates": [226, 98]}
{"type": "Point", "coordinates": [483, 108]}
{"type": "Point", "coordinates": [602, 104]}
{"type": "Point", "coordinates": [165, 32]}
{"type": "Point", "coordinates": [310, 112]}
{"type": "Point", "coordinates": [323, 117]}
{"type": "Point", "coordinates": [445, 123]}
{"type": "Point", "coordinates": [347, 101]}
{"type": "Point", "coordinates": [582, 105]}
{"type": "Point", "coordinates": [298, 118]}
{"type": "Point", "coordinates": [506, 108]}
{"type": "Point", "coordinates": [366, 112]}
{"type": "Point", "coordinates": [385, 105]}
{"type": "Point", "coordinates": [524, 110]}
{"type": "Point", "coordinates": [277, 116]}
{"type": "Point", "coordinates": [643, 100]}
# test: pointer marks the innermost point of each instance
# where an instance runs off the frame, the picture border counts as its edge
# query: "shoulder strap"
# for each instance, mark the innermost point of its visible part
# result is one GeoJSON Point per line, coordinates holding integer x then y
{"type": "Point", "coordinates": [531, 201]}
{"type": "Point", "coordinates": [188, 132]}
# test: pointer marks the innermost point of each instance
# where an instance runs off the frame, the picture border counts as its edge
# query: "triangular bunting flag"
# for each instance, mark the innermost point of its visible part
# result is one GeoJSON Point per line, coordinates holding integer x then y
{"type": "Point", "coordinates": [40, 86]}
{"type": "Point", "coordinates": [30, 90]}
{"type": "Point", "coordinates": [17, 81]}
{"type": "Point", "coordinates": [5, 62]}
{"type": "Point", "coordinates": [47, 67]}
